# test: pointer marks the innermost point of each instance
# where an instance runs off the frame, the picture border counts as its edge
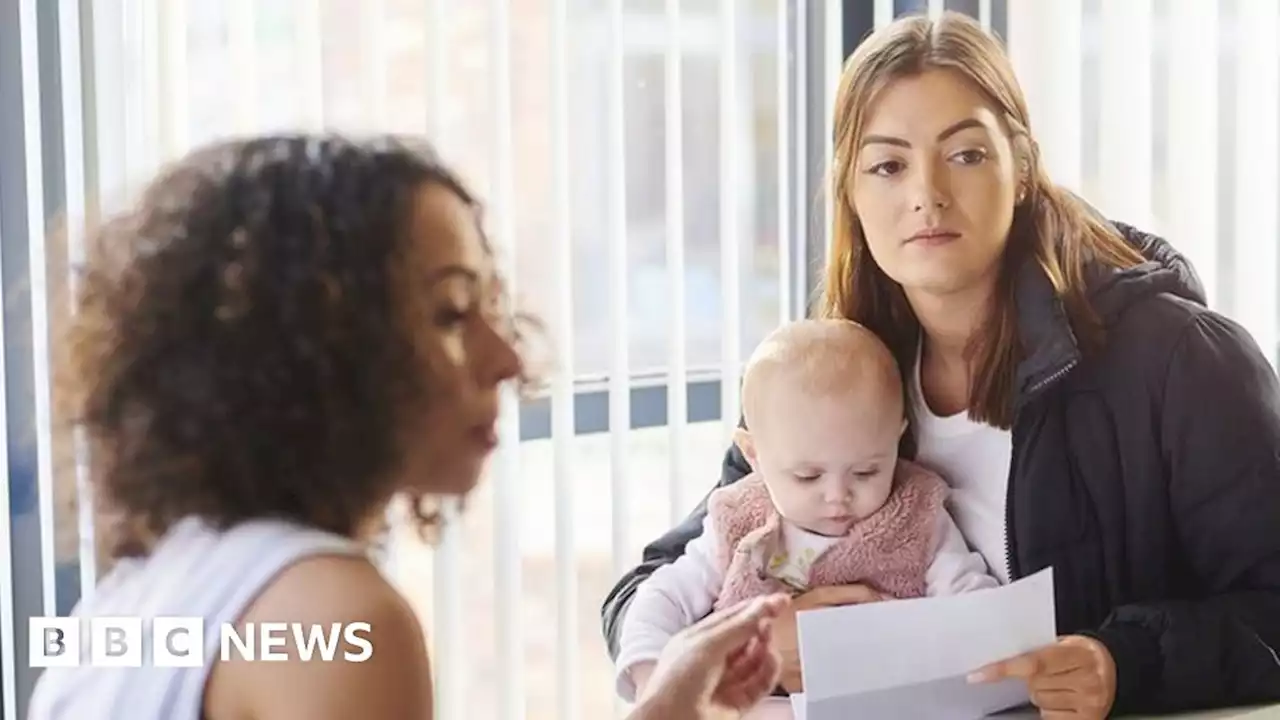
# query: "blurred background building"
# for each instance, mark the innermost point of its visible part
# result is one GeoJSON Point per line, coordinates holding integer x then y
{"type": "Point", "coordinates": [653, 173]}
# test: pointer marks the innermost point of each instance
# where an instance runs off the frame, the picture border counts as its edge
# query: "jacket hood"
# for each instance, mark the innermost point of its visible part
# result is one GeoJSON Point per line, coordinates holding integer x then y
{"type": "Point", "coordinates": [1050, 345]}
{"type": "Point", "coordinates": [1165, 271]}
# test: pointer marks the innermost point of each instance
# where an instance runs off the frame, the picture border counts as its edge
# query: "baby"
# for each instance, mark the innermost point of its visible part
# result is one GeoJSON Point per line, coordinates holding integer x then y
{"type": "Point", "coordinates": [828, 501]}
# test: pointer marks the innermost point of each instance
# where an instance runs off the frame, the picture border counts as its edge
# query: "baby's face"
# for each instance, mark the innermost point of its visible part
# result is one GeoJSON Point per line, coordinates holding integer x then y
{"type": "Point", "coordinates": [829, 462]}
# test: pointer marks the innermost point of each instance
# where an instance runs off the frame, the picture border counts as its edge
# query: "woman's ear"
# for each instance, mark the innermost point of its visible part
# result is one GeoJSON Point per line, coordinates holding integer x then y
{"type": "Point", "coordinates": [742, 438]}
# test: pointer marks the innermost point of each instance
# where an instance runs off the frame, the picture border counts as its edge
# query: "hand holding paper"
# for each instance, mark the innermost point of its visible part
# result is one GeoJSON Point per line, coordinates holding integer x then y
{"type": "Point", "coordinates": [1075, 675]}
{"type": "Point", "coordinates": [911, 658]}
{"type": "Point", "coordinates": [786, 635]}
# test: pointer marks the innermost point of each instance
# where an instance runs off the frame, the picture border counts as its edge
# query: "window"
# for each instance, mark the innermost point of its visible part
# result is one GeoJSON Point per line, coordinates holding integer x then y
{"type": "Point", "coordinates": [115, 89]}
{"type": "Point", "coordinates": [160, 79]}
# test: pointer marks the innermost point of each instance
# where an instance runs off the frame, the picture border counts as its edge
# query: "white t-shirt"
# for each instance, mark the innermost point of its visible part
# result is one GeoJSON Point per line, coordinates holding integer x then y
{"type": "Point", "coordinates": [974, 460]}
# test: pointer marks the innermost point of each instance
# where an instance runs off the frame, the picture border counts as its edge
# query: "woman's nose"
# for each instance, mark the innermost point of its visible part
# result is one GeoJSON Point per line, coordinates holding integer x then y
{"type": "Point", "coordinates": [936, 201]}
{"type": "Point", "coordinates": [498, 358]}
{"type": "Point", "coordinates": [929, 193]}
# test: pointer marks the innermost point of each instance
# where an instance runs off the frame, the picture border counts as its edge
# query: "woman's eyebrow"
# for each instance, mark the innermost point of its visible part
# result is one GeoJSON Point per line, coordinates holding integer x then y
{"type": "Point", "coordinates": [947, 132]}
{"type": "Point", "coordinates": [450, 271]}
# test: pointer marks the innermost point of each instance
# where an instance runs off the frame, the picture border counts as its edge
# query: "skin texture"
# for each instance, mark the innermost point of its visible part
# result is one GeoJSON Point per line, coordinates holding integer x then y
{"type": "Point", "coordinates": [946, 162]}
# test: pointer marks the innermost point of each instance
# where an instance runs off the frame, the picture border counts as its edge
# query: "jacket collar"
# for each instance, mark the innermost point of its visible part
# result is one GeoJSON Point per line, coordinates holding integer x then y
{"type": "Point", "coordinates": [1050, 346]}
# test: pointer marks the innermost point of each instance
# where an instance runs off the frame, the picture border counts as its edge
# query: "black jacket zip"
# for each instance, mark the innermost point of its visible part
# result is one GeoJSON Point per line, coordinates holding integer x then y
{"type": "Point", "coordinates": [1010, 539]}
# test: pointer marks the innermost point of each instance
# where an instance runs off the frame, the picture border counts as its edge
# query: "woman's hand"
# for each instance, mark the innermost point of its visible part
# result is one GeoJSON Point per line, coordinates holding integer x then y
{"type": "Point", "coordinates": [785, 635]}
{"type": "Point", "coordinates": [1073, 678]}
{"type": "Point", "coordinates": [724, 664]}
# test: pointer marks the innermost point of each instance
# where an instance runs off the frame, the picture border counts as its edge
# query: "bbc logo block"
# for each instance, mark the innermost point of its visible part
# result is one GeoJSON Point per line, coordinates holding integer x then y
{"type": "Point", "coordinates": [115, 642]}
{"type": "Point", "coordinates": [177, 641]}
{"type": "Point", "coordinates": [54, 641]}
{"type": "Point", "coordinates": [182, 641]}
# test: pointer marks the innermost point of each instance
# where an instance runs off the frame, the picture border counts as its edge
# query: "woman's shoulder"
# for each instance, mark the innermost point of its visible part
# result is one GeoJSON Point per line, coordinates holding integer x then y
{"type": "Point", "coordinates": [326, 588]}
{"type": "Point", "coordinates": [1160, 334]}
{"type": "Point", "coordinates": [331, 591]}
{"type": "Point", "coordinates": [1150, 328]}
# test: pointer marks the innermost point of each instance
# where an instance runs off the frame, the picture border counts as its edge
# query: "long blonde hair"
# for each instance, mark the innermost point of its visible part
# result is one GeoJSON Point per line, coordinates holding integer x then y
{"type": "Point", "coordinates": [1049, 223]}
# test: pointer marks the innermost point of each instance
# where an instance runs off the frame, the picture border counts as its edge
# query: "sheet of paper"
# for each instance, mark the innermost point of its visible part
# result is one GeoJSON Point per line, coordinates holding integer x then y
{"type": "Point", "coordinates": [909, 658]}
{"type": "Point", "coordinates": [771, 708]}
{"type": "Point", "coordinates": [797, 706]}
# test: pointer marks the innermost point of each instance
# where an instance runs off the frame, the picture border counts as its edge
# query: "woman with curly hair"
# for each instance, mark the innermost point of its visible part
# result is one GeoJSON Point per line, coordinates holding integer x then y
{"type": "Point", "coordinates": [284, 335]}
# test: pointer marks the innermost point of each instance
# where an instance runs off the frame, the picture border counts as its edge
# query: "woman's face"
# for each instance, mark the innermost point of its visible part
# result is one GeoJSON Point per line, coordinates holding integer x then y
{"type": "Point", "coordinates": [934, 184]}
{"type": "Point", "coordinates": [464, 340]}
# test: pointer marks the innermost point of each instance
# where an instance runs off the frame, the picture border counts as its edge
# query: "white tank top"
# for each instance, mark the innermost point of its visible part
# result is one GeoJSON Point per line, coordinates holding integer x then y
{"type": "Point", "coordinates": [194, 570]}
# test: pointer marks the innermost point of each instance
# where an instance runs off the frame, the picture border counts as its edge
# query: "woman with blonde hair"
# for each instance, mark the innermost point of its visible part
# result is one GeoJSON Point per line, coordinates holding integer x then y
{"type": "Point", "coordinates": [1065, 375]}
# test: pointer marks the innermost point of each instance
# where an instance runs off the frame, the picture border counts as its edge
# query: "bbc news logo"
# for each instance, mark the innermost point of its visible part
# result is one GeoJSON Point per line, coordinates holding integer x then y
{"type": "Point", "coordinates": [180, 642]}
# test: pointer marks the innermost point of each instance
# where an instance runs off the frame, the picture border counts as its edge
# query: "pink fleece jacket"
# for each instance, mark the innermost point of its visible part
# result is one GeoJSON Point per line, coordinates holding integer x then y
{"type": "Point", "coordinates": [891, 550]}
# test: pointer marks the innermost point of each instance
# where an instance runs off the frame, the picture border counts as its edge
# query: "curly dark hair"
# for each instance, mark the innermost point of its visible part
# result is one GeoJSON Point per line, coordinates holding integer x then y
{"type": "Point", "coordinates": [239, 350]}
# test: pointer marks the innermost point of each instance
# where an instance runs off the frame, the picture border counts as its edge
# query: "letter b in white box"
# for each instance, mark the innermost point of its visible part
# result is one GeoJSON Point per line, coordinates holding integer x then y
{"type": "Point", "coordinates": [53, 641]}
{"type": "Point", "coordinates": [115, 641]}
{"type": "Point", "coordinates": [177, 641]}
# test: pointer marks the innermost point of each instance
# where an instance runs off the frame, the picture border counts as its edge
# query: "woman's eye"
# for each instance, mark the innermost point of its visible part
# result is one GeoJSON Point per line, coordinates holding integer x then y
{"type": "Point", "coordinates": [448, 317]}
{"type": "Point", "coordinates": [886, 168]}
{"type": "Point", "coordinates": [970, 157]}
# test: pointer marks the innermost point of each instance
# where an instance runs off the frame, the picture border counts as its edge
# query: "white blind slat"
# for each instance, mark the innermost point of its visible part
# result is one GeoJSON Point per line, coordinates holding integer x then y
{"type": "Point", "coordinates": [1193, 123]}
{"type": "Point", "coordinates": [242, 29]}
{"type": "Point", "coordinates": [448, 619]}
{"type": "Point", "coordinates": [507, 492]}
{"type": "Point", "coordinates": [77, 145]}
{"type": "Point", "coordinates": [782, 86]}
{"type": "Point", "coordinates": [309, 61]}
{"type": "Point", "coordinates": [373, 23]}
{"type": "Point", "coordinates": [619, 324]}
{"type": "Point", "coordinates": [173, 100]}
{"type": "Point", "coordinates": [1257, 183]}
{"type": "Point", "coordinates": [562, 411]}
{"type": "Point", "coordinates": [1045, 48]}
{"type": "Point", "coordinates": [1126, 128]}
{"type": "Point", "coordinates": [833, 65]}
{"type": "Point", "coordinates": [677, 371]}
{"type": "Point", "coordinates": [730, 252]}
{"type": "Point", "coordinates": [883, 12]}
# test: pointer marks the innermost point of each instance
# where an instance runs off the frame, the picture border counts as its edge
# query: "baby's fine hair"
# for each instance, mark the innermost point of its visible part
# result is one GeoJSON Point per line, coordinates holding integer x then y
{"type": "Point", "coordinates": [820, 357]}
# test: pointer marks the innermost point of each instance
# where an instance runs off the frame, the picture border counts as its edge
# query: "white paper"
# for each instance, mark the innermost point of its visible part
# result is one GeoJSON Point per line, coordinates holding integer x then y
{"type": "Point", "coordinates": [909, 658]}
{"type": "Point", "coordinates": [797, 706]}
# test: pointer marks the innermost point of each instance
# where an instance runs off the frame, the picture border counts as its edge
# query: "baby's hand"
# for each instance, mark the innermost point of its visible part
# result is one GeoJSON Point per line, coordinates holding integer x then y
{"type": "Point", "coordinates": [785, 630]}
